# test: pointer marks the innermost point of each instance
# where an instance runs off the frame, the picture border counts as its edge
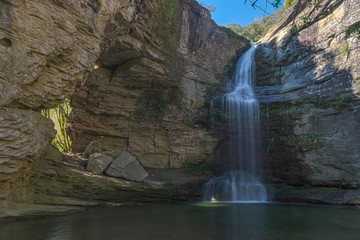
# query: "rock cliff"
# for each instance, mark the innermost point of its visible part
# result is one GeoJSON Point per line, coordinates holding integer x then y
{"type": "Point", "coordinates": [147, 104]}
{"type": "Point", "coordinates": [137, 72]}
{"type": "Point", "coordinates": [308, 81]}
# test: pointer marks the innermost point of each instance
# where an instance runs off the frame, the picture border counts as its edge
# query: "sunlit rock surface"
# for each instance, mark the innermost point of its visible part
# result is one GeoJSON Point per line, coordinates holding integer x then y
{"type": "Point", "coordinates": [145, 102]}
{"type": "Point", "coordinates": [105, 55]}
{"type": "Point", "coordinates": [310, 82]}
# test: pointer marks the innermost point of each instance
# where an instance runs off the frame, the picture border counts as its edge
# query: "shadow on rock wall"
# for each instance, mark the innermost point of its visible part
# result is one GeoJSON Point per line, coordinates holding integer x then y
{"type": "Point", "coordinates": [309, 92]}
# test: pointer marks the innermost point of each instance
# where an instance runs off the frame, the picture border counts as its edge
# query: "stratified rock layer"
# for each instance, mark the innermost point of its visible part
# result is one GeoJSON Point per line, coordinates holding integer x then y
{"type": "Point", "coordinates": [310, 82]}
{"type": "Point", "coordinates": [121, 49]}
{"type": "Point", "coordinates": [98, 163]}
{"type": "Point", "coordinates": [146, 103]}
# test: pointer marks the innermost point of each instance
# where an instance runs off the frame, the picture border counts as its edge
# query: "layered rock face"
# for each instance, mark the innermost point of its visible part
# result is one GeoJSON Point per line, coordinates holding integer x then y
{"type": "Point", "coordinates": [310, 83]}
{"type": "Point", "coordinates": [147, 103]}
{"type": "Point", "coordinates": [131, 54]}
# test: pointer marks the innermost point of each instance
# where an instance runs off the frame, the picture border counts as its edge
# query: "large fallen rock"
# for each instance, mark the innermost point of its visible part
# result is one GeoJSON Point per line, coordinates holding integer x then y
{"type": "Point", "coordinates": [126, 166]}
{"type": "Point", "coordinates": [94, 147]}
{"type": "Point", "coordinates": [98, 162]}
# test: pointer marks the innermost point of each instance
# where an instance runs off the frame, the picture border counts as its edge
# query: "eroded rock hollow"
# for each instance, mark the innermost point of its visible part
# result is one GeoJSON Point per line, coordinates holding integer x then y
{"type": "Point", "coordinates": [137, 72]}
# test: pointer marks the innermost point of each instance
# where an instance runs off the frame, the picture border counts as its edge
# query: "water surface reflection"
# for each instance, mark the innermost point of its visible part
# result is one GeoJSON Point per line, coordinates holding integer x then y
{"type": "Point", "coordinates": [193, 221]}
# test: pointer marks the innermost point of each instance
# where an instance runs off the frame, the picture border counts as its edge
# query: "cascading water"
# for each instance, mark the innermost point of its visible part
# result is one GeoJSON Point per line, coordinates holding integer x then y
{"type": "Point", "coordinates": [240, 111]}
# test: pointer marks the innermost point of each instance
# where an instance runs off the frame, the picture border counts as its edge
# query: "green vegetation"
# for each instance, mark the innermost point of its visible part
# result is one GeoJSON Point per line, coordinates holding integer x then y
{"type": "Point", "coordinates": [168, 186]}
{"type": "Point", "coordinates": [203, 115]}
{"type": "Point", "coordinates": [165, 24]}
{"type": "Point", "coordinates": [321, 102]}
{"type": "Point", "coordinates": [257, 29]}
{"type": "Point", "coordinates": [312, 6]}
{"type": "Point", "coordinates": [343, 101]}
{"type": "Point", "coordinates": [305, 142]}
{"type": "Point", "coordinates": [275, 110]}
{"type": "Point", "coordinates": [197, 170]}
{"type": "Point", "coordinates": [60, 116]}
{"type": "Point", "coordinates": [289, 3]}
{"type": "Point", "coordinates": [345, 49]}
{"type": "Point", "coordinates": [353, 30]}
{"type": "Point", "coordinates": [315, 118]}
{"type": "Point", "coordinates": [214, 91]}
{"type": "Point", "coordinates": [269, 75]}
{"type": "Point", "coordinates": [348, 181]}
{"type": "Point", "coordinates": [155, 102]}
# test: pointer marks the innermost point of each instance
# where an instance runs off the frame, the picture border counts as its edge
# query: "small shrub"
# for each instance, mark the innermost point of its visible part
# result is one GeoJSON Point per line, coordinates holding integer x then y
{"type": "Point", "coordinates": [305, 142]}
{"type": "Point", "coordinates": [269, 75]}
{"type": "Point", "coordinates": [204, 115]}
{"type": "Point", "coordinates": [164, 24]}
{"type": "Point", "coordinates": [343, 102]}
{"type": "Point", "coordinates": [315, 119]}
{"type": "Point", "coordinates": [353, 29]}
{"type": "Point", "coordinates": [321, 102]}
{"type": "Point", "coordinates": [155, 102]}
{"type": "Point", "coordinates": [197, 170]}
{"type": "Point", "coordinates": [345, 49]}
{"type": "Point", "coordinates": [289, 3]}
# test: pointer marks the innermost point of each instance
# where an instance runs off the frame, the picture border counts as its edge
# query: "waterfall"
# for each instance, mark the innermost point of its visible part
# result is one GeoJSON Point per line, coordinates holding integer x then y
{"type": "Point", "coordinates": [240, 114]}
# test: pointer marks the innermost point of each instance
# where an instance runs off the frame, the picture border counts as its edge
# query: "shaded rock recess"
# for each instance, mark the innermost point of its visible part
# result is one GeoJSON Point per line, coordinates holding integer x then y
{"type": "Point", "coordinates": [139, 75]}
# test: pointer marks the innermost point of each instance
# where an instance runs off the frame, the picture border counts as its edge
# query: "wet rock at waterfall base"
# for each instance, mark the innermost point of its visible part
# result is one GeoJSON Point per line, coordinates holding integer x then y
{"type": "Point", "coordinates": [94, 147]}
{"type": "Point", "coordinates": [98, 163]}
{"type": "Point", "coordinates": [126, 166]}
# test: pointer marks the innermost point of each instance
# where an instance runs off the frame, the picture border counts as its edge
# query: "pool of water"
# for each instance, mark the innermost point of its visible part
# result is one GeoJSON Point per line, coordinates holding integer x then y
{"type": "Point", "coordinates": [187, 221]}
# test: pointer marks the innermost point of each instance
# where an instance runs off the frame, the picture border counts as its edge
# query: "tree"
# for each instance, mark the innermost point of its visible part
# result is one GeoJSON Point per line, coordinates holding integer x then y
{"type": "Point", "coordinates": [258, 28]}
{"type": "Point", "coordinates": [274, 3]}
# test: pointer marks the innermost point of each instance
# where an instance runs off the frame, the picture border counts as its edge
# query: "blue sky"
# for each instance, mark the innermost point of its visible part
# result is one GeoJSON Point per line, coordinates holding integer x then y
{"type": "Point", "coordinates": [235, 11]}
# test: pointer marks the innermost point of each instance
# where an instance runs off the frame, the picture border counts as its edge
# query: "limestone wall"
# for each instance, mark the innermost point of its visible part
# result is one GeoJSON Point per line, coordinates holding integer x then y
{"type": "Point", "coordinates": [49, 49]}
{"type": "Point", "coordinates": [310, 80]}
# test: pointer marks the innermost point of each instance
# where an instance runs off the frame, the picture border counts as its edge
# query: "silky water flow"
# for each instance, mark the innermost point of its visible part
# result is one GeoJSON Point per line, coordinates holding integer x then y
{"type": "Point", "coordinates": [239, 111]}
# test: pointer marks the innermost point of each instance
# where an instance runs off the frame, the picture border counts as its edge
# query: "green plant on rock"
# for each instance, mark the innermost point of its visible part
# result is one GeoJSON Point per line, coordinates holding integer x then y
{"type": "Point", "coordinates": [315, 119]}
{"type": "Point", "coordinates": [345, 49]}
{"type": "Point", "coordinates": [353, 30]}
{"type": "Point", "coordinates": [305, 142]}
{"type": "Point", "coordinates": [306, 19]}
{"type": "Point", "coordinates": [269, 75]}
{"type": "Point", "coordinates": [164, 24]}
{"type": "Point", "coordinates": [197, 170]}
{"type": "Point", "coordinates": [203, 115]}
{"type": "Point", "coordinates": [348, 181]}
{"type": "Point", "coordinates": [289, 3]}
{"type": "Point", "coordinates": [344, 101]}
{"type": "Point", "coordinates": [321, 102]}
{"type": "Point", "coordinates": [214, 91]}
{"type": "Point", "coordinates": [155, 102]}
{"type": "Point", "coordinates": [60, 116]}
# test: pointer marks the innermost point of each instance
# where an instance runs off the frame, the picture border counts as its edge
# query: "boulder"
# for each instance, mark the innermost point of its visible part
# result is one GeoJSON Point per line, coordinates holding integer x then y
{"type": "Point", "coordinates": [98, 163]}
{"type": "Point", "coordinates": [126, 166]}
{"type": "Point", "coordinates": [113, 153]}
{"type": "Point", "coordinates": [94, 147]}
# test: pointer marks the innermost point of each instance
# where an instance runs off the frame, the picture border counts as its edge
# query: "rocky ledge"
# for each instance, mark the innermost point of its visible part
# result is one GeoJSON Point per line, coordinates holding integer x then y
{"type": "Point", "coordinates": [308, 83]}
{"type": "Point", "coordinates": [138, 74]}
{"type": "Point", "coordinates": [61, 184]}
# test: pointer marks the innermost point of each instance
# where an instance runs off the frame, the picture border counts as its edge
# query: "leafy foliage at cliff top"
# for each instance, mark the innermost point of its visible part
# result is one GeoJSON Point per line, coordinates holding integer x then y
{"type": "Point", "coordinates": [257, 29]}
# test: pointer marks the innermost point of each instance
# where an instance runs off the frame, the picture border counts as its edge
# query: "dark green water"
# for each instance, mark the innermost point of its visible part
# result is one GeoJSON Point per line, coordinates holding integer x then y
{"type": "Point", "coordinates": [193, 221]}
